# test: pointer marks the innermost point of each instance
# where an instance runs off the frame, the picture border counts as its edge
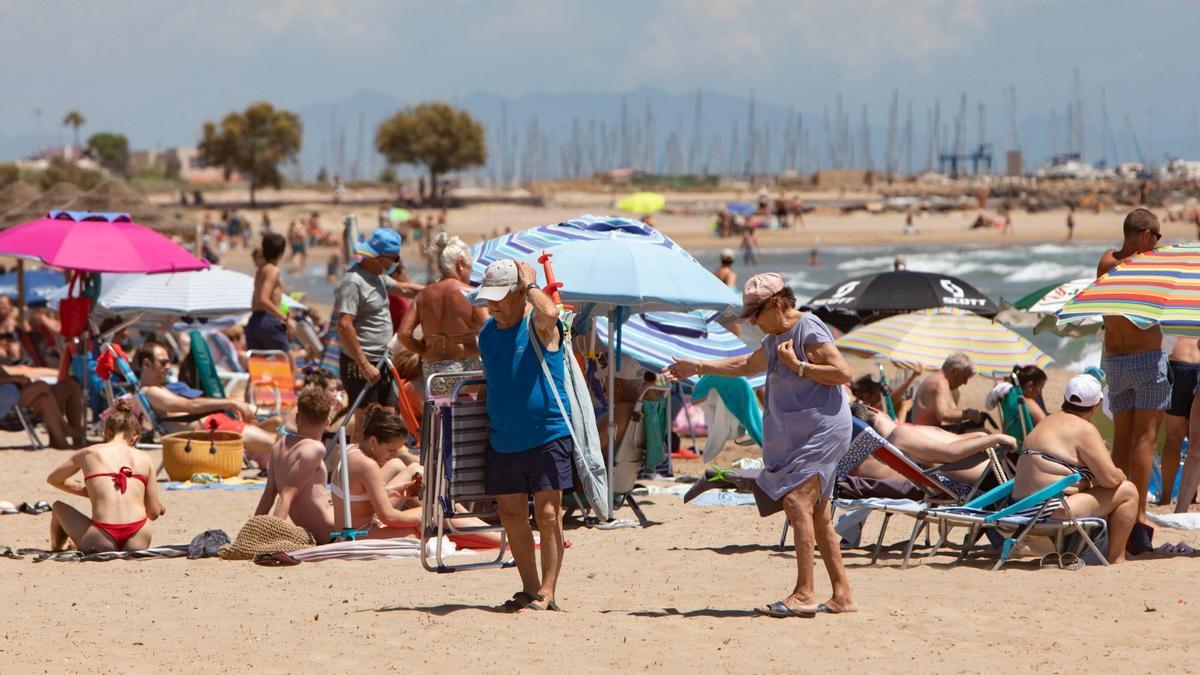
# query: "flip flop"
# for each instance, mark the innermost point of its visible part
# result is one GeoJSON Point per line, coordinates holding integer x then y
{"type": "Point", "coordinates": [7, 552]}
{"type": "Point", "coordinates": [277, 559]}
{"type": "Point", "coordinates": [43, 507]}
{"type": "Point", "coordinates": [618, 524]}
{"type": "Point", "coordinates": [519, 600]}
{"type": "Point", "coordinates": [7, 508]}
{"type": "Point", "coordinates": [552, 606]}
{"type": "Point", "coordinates": [778, 610]}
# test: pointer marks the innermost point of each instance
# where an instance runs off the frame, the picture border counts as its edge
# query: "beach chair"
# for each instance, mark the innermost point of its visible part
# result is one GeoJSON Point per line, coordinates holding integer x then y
{"type": "Point", "coordinates": [1015, 419]}
{"type": "Point", "coordinates": [453, 450]}
{"type": "Point", "coordinates": [10, 395]}
{"type": "Point", "coordinates": [272, 384]}
{"type": "Point", "coordinates": [630, 458]}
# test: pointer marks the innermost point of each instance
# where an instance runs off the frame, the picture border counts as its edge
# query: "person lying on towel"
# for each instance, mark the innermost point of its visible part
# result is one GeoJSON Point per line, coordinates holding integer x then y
{"type": "Point", "coordinates": [296, 483]}
{"type": "Point", "coordinates": [152, 360]}
{"type": "Point", "coordinates": [384, 492]}
{"type": "Point", "coordinates": [118, 479]}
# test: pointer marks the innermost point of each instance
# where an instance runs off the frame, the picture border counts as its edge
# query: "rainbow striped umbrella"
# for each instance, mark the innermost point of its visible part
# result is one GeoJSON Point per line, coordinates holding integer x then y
{"type": "Point", "coordinates": [925, 338]}
{"type": "Point", "coordinates": [1158, 287]}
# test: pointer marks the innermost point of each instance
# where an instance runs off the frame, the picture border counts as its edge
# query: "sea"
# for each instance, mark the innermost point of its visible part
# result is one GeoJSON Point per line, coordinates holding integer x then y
{"type": "Point", "coordinates": [1003, 273]}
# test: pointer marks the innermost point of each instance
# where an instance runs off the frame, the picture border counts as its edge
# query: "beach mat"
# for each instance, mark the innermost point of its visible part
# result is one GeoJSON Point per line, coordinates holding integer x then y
{"type": "Point", "coordinates": [1175, 521]}
{"type": "Point", "coordinates": [167, 551]}
{"type": "Point", "coordinates": [235, 483]}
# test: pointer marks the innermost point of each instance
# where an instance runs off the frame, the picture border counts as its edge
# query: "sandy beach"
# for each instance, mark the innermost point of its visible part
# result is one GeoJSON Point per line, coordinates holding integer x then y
{"type": "Point", "coordinates": [673, 597]}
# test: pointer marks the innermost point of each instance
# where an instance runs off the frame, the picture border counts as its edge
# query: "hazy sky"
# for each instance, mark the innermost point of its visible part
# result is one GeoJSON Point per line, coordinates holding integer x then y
{"type": "Point", "coordinates": [150, 69]}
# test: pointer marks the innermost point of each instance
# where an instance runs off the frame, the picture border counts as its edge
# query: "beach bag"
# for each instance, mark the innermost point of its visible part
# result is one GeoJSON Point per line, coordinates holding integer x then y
{"type": "Point", "coordinates": [190, 452]}
{"type": "Point", "coordinates": [73, 310]}
{"type": "Point", "coordinates": [588, 457]}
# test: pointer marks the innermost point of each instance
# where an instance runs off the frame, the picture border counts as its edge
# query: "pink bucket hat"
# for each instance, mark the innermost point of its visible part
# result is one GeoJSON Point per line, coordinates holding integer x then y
{"type": "Point", "coordinates": [758, 290]}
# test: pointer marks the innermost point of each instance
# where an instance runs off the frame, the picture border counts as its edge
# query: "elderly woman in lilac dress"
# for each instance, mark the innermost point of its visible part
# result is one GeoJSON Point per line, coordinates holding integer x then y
{"type": "Point", "coordinates": [806, 430]}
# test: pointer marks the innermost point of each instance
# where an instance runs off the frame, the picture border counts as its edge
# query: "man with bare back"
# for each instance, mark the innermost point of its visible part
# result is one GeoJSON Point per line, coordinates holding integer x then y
{"type": "Point", "coordinates": [1135, 366]}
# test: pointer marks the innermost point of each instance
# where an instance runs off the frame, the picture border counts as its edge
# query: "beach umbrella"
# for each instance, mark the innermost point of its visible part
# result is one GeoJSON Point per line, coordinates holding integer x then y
{"type": "Point", "coordinates": [206, 293]}
{"type": "Point", "coordinates": [874, 296]}
{"type": "Point", "coordinates": [521, 245]}
{"type": "Point", "coordinates": [39, 285]}
{"type": "Point", "coordinates": [96, 242]}
{"type": "Point", "coordinates": [1157, 287]}
{"type": "Point", "coordinates": [399, 215]}
{"type": "Point", "coordinates": [642, 202]}
{"type": "Point", "coordinates": [1048, 300]}
{"type": "Point", "coordinates": [924, 339]}
{"type": "Point", "coordinates": [741, 208]}
{"type": "Point", "coordinates": [654, 339]}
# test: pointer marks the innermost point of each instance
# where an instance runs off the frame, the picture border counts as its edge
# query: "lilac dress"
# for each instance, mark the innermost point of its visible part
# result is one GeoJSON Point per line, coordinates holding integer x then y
{"type": "Point", "coordinates": [806, 425]}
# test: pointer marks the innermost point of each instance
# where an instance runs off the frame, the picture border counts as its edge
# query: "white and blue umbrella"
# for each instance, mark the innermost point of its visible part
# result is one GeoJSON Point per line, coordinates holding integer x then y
{"type": "Point", "coordinates": [655, 339]}
{"type": "Point", "coordinates": [524, 244]}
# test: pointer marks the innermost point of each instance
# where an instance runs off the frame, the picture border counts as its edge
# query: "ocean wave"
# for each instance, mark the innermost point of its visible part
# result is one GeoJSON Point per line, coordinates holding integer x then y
{"type": "Point", "coordinates": [1048, 271]}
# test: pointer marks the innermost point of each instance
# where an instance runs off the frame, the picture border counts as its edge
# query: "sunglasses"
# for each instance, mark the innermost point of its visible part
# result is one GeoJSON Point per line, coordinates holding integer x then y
{"type": "Point", "coordinates": [1157, 235]}
{"type": "Point", "coordinates": [163, 362]}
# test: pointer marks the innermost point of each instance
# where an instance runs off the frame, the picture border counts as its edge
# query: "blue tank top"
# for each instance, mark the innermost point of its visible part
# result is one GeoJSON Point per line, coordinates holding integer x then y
{"type": "Point", "coordinates": [521, 407]}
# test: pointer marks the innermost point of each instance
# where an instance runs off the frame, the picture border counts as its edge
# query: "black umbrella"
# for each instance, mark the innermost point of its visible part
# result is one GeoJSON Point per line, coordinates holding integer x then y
{"type": "Point", "coordinates": [875, 296]}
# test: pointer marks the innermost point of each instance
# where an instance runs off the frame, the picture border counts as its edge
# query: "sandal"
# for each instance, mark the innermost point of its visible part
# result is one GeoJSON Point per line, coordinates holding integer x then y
{"type": "Point", "coordinates": [779, 610]}
{"type": "Point", "coordinates": [551, 606]}
{"type": "Point", "coordinates": [7, 552]}
{"type": "Point", "coordinates": [519, 601]}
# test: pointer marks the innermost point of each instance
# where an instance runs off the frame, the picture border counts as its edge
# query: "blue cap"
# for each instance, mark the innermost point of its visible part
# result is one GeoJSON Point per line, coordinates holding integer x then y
{"type": "Point", "coordinates": [383, 241]}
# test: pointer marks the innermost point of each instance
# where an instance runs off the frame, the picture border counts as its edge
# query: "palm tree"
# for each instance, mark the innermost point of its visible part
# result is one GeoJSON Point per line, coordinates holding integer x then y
{"type": "Point", "coordinates": [74, 119]}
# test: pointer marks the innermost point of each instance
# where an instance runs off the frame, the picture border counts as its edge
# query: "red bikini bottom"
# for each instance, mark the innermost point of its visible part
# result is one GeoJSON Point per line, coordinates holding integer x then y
{"type": "Point", "coordinates": [121, 532]}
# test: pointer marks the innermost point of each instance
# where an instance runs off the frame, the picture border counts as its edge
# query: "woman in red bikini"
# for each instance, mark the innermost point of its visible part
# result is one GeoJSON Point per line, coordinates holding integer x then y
{"type": "Point", "coordinates": [119, 481]}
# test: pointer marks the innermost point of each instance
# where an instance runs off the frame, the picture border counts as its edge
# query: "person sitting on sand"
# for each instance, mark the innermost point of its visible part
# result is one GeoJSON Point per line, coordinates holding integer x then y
{"type": "Point", "coordinates": [936, 402]}
{"type": "Point", "coordinates": [448, 321]}
{"type": "Point", "coordinates": [1067, 442]}
{"type": "Point", "coordinates": [119, 481]}
{"type": "Point", "coordinates": [152, 361]}
{"type": "Point", "coordinates": [297, 476]}
{"type": "Point", "coordinates": [931, 446]}
{"type": "Point", "coordinates": [384, 492]}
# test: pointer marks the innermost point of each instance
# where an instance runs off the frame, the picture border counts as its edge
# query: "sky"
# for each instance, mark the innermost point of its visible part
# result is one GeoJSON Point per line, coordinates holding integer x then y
{"type": "Point", "coordinates": [155, 70]}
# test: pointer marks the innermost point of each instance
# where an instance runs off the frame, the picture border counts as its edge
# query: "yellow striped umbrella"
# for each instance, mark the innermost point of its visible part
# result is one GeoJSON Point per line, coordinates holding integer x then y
{"type": "Point", "coordinates": [925, 338]}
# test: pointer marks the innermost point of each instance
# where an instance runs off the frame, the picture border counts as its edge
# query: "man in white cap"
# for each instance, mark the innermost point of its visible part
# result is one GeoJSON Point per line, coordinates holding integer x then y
{"type": "Point", "coordinates": [530, 447]}
{"type": "Point", "coordinates": [1067, 442]}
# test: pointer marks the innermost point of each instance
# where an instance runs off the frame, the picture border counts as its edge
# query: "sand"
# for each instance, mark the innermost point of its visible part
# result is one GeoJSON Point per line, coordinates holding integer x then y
{"type": "Point", "coordinates": [673, 597]}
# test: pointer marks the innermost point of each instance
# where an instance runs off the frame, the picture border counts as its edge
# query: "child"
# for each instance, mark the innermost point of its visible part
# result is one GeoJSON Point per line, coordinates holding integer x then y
{"type": "Point", "coordinates": [268, 328]}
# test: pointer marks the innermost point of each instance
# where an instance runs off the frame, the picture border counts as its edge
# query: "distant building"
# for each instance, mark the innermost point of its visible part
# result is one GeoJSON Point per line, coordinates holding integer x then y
{"type": "Point", "coordinates": [191, 168]}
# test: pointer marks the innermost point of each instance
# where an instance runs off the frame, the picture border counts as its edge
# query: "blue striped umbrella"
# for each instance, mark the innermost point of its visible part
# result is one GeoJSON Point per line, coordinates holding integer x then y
{"type": "Point", "coordinates": [653, 338]}
{"type": "Point", "coordinates": [521, 245]}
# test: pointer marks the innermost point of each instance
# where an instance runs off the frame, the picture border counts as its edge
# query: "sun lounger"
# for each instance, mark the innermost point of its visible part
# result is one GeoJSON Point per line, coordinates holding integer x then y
{"type": "Point", "coordinates": [453, 450]}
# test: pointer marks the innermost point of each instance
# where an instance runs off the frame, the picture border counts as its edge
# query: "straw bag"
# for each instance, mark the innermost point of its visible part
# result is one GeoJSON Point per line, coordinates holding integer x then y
{"type": "Point", "coordinates": [191, 452]}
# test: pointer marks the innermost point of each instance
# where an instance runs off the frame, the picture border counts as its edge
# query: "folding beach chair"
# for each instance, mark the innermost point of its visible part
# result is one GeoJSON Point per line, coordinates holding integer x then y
{"type": "Point", "coordinates": [10, 395]}
{"type": "Point", "coordinates": [630, 458]}
{"type": "Point", "coordinates": [453, 450]}
{"type": "Point", "coordinates": [1015, 419]}
{"type": "Point", "coordinates": [272, 384]}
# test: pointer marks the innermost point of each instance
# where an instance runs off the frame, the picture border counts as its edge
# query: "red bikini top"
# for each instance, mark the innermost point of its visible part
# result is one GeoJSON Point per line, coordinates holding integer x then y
{"type": "Point", "coordinates": [120, 478]}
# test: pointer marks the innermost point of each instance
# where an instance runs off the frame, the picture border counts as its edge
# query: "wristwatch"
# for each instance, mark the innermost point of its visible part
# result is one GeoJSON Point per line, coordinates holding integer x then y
{"type": "Point", "coordinates": [530, 286]}
{"type": "Point", "coordinates": [803, 367]}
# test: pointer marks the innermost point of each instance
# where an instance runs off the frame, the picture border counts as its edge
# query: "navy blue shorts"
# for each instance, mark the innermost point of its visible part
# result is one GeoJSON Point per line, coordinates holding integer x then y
{"type": "Point", "coordinates": [542, 468]}
{"type": "Point", "coordinates": [266, 332]}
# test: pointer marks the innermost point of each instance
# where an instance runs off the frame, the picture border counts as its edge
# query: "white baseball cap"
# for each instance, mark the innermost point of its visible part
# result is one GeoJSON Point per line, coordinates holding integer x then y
{"type": "Point", "coordinates": [1083, 391]}
{"type": "Point", "coordinates": [499, 279]}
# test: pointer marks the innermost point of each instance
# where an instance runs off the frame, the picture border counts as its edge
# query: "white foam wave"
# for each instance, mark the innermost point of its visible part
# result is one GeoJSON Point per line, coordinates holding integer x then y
{"type": "Point", "coordinates": [1048, 271]}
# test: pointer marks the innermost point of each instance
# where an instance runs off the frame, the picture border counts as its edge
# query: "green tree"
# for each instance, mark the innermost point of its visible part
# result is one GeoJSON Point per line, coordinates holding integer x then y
{"type": "Point", "coordinates": [253, 143]}
{"type": "Point", "coordinates": [74, 119]}
{"type": "Point", "coordinates": [433, 135]}
{"type": "Point", "coordinates": [110, 150]}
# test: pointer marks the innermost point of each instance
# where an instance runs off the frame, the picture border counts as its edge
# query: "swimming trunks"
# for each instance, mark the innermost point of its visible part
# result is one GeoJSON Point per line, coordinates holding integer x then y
{"type": "Point", "coordinates": [223, 422]}
{"type": "Point", "coordinates": [1184, 382]}
{"type": "Point", "coordinates": [1137, 381]}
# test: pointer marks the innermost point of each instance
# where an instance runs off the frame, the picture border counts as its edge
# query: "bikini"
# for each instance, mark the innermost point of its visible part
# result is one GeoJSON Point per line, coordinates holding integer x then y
{"type": "Point", "coordinates": [120, 532]}
{"type": "Point", "coordinates": [336, 490]}
{"type": "Point", "coordinates": [1058, 502]}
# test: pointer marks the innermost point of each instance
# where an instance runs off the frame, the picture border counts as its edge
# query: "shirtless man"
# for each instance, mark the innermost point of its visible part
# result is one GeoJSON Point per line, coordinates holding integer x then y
{"type": "Point", "coordinates": [725, 272]}
{"type": "Point", "coordinates": [1136, 367]}
{"type": "Point", "coordinates": [936, 402]}
{"type": "Point", "coordinates": [1184, 366]}
{"type": "Point", "coordinates": [269, 328]}
{"type": "Point", "coordinates": [449, 323]}
{"type": "Point", "coordinates": [152, 361]}
{"type": "Point", "coordinates": [297, 475]}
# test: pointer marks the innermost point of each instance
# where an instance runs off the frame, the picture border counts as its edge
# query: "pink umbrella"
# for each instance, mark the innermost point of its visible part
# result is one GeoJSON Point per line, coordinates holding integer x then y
{"type": "Point", "coordinates": [96, 242]}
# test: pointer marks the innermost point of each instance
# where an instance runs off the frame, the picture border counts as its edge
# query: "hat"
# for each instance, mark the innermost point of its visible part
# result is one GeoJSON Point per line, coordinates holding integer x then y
{"type": "Point", "coordinates": [758, 290]}
{"type": "Point", "coordinates": [383, 241]}
{"type": "Point", "coordinates": [266, 535]}
{"type": "Point", "coordinates": [499, 279]}
{"type": "Point", "coordinates": [1083, 391]}
{"type": "Point", "coordinates": [727, 254]}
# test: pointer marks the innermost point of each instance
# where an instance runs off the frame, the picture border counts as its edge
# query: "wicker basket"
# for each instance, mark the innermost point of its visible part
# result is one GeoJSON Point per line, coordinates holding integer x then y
{"type": "Point", "coordinates": [191, 452]}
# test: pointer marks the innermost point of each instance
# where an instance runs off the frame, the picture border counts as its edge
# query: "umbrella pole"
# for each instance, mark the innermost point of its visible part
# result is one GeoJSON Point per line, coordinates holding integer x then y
{"type": "Point", "coordinates": [21, 292]}
{"type": "Point", "coordinates": [612, 400]}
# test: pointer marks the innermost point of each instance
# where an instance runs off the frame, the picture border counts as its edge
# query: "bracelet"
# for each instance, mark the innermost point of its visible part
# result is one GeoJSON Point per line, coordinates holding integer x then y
{"type": "Point", "coordinates": [803, 367]}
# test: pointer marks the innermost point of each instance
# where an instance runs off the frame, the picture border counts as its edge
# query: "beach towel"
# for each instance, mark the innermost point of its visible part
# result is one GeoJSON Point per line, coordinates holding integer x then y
{"type": "Point", "coordinates": [166, 551]}
{"type": "Point", "coordinates": [738, 396]}
{"type": "Point", "coordinates": [375, 549]}
{"type": "Point", "coordinates": [234, 483]}
{"type": "Point", "coordinates": [1175, 521]}
{"type": "Point", "coordinates": [654, 424]}
{"type": "Point", "coordinates": [723, 498]}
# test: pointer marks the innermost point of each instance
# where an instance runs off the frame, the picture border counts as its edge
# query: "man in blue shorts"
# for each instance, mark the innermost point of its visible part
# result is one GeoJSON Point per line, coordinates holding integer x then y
{"type": "Point", "coordinates": [529, 451]}
{"type": "Point", "coordinates": [1135, 365]}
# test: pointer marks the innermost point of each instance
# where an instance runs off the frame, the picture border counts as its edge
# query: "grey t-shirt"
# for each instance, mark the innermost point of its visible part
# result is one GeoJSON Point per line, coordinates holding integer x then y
{"type": "Point", "coordinates": [365, 296]}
